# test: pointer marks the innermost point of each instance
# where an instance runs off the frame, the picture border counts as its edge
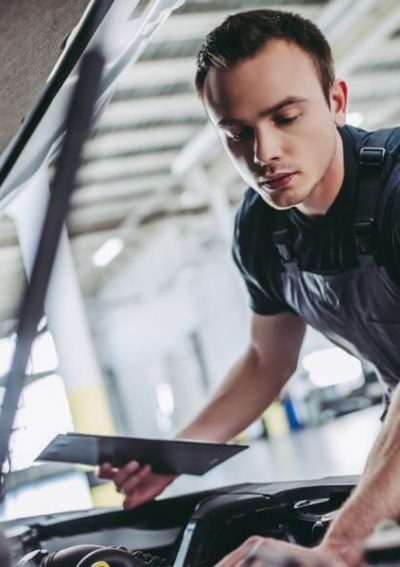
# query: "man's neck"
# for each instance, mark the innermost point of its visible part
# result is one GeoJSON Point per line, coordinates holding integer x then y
{"type": "Point", "coordinates": [325, 193]}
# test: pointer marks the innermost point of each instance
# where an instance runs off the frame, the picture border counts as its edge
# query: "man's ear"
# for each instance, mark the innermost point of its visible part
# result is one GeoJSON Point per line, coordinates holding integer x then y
{"type": "Point", "coordinates": [339, 100]}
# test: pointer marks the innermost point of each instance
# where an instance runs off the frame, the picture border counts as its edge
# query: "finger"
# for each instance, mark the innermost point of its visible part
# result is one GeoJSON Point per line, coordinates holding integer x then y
{"type": "Point", "coordinates": [232, 559]}
{"type": "Point", "coordinates": [131, 502]}
{"type": "Point", "coordinates": [138, 498]}
{"type": "Point", "coordinates": [106, 470]}
{"type": "Point", "coordinates": [132, 477]}
{"type": "Point", "coordinates": [135, 500]}
{"type": "Point", "coordinates": [238, 556]}
{"type": "Point", "coordinates": [248, 551]}
{"type": "Point", "coordinates": [132, 482]}
{"type": "Point", "coordinates": [126, 472]}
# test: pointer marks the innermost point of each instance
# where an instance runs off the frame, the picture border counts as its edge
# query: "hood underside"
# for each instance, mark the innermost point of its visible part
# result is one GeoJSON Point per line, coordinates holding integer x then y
{"type": "Point", "coordinates": [32, 35]}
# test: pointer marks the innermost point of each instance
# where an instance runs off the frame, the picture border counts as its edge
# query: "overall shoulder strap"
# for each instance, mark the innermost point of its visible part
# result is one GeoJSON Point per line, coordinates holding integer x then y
{"type": "Point", "coordinates": [282, 237]}
{"type": "Point", "coordinates": [372, 158]}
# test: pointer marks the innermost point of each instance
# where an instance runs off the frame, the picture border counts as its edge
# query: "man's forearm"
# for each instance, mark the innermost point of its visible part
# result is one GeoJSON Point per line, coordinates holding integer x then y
{"type": "Point", "coordinates": [376, 497]}
{"type": "Point", "coordinates": [246, 391]}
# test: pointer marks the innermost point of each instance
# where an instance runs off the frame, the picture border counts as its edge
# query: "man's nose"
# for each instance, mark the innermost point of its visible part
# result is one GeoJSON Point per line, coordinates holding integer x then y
{"type": "Point", "coordinates": [267, 147]}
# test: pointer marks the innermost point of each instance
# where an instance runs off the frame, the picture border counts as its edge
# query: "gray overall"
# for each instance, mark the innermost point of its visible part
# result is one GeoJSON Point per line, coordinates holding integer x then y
{"type": "Point", "coordinates": [358, 309]}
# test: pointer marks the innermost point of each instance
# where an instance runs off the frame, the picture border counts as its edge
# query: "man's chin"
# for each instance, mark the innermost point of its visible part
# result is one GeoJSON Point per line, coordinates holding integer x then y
{"type": "Point", "coordinates": [283, 200]}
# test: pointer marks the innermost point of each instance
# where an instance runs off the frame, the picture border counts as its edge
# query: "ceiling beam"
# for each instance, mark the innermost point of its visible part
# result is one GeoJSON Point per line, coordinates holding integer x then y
{"type": "Point", "coordinates": [120, 189]}
{"type": "Point", "coordinates": [379, 30]}
{"type": "Point", "coordinates": [379, 84]}
{"type": "Point", "coordinates": [114, 143]}
{"type": "Point", "coordinates": [158, 73]}
{"type": "Point", "coordinates": [191, 26]}
{"type": "Point", "coordinates": [117, 168]}
{"type": "Point", "coordinates": [123, 113]}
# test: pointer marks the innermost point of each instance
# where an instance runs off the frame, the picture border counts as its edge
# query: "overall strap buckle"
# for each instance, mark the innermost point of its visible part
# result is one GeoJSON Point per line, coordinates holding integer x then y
{"type": "Point", "coordinates": [371, 156]}
{"type": "Point", "coordinates": [371, 159]}
{"type": "Point", "coordinates": [282, 242]}
{"type": "Point", "coordinates": [282, 237]}
{"type": "Point", "coordinates": [364, 236]}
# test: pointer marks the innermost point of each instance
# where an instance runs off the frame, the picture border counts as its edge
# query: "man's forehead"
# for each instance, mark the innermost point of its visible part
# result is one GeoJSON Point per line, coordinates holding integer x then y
{"type": "Point", "coordinates": [275, 73]}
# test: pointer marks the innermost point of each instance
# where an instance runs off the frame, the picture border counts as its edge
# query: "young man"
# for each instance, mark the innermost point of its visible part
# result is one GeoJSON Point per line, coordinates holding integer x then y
{"type": "Point", "coordinates": [316, 239]}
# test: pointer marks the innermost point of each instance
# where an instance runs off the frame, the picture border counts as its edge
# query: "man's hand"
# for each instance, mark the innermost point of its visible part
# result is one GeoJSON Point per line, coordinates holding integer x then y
{"type": "Point", "coordinates": [277, 551]}
{"type": "Point", "coordinates": [138, 484]}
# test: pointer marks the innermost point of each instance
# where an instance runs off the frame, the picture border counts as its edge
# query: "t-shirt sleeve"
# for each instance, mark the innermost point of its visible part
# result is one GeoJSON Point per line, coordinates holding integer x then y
{"type": "Point", "coordinates": [263, 297]}
{"type": "Point", "coordinates": [393, 260]}
{"type": "Point", "coordinates": [390, 225]}
{"type": "Point", "coordinates": [259, 300]}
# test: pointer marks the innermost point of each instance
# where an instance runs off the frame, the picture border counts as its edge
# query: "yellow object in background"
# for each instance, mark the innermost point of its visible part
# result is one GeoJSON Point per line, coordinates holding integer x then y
{"type": "Point", "coordinates": [242, 438]}
{"type": "Point", "coordinates": [101, 564]}
{"type": "Point", "coordinates": [275, 421]}
{"type": "Point", "coordinates": [106, 496]}
{"type": "Point", "coordinates": [90, 410]}
{"type": "Point", "coordinates": [91, 414]}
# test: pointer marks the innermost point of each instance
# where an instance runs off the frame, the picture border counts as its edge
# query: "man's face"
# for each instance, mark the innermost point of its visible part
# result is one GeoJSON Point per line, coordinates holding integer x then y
{"type": "Point", "coordinates": [276, 124]}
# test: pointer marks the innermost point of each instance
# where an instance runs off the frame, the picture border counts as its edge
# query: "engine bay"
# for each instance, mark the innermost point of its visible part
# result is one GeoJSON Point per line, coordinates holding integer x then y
{"type": "Point", "coordinates": [191, 530]}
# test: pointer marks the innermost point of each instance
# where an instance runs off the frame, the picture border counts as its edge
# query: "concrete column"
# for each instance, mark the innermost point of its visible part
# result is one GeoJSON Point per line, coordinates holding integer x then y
{"type": "Point", "coordinates": [65, 312]}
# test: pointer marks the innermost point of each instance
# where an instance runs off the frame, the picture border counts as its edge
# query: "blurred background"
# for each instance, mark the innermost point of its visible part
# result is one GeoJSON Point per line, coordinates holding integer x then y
{"type": "Point", "coordinates": [152, 312]}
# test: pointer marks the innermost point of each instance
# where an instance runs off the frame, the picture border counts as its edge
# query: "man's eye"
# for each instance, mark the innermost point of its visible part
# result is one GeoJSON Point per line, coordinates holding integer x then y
{"type": "Point", "coordinates": [282, 120]}
{"type": "Point", "coordinates": [238, 136]}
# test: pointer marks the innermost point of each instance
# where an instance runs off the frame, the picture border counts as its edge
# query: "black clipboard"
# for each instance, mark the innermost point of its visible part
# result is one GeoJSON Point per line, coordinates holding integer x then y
{"type": "Point", "coordinates": [164, 456]}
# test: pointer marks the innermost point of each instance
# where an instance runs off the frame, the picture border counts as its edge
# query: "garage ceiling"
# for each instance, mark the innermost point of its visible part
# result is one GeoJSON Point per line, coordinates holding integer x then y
{"type": "Point", "coordinates": [155, 124]}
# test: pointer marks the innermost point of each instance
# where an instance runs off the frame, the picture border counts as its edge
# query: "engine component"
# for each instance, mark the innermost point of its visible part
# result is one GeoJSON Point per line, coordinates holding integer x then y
{"type": "Point", "coordinates": [91, 555]}
{"type": "Point", "coordinates": [110, 557]}
{"type": "Point", "coordinates": [197, 530]}
{"type": "Point", "coordinates": [121, 558]}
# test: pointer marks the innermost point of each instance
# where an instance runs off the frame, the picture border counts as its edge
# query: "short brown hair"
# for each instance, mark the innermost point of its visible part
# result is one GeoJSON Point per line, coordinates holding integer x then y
{"type": "Point", "coordinates": [244, 34]}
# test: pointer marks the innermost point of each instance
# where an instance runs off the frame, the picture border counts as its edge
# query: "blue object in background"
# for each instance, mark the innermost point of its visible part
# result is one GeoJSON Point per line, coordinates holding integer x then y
{"type": "Point", "coordinates": [290, 409]}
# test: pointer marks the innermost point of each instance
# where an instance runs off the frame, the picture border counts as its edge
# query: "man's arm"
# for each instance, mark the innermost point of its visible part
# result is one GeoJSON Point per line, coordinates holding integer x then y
{"type": "Point", "coordinates": [254, 381]}
{"type": "Point", "coordinates": [376, 497]}
{"type": "Point", "coordinates": [249, 387]}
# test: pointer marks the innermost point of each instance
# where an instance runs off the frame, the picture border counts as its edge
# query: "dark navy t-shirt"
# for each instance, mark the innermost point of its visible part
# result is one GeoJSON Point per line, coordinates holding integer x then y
{"type": "Point", "coordinates": [322, 244]}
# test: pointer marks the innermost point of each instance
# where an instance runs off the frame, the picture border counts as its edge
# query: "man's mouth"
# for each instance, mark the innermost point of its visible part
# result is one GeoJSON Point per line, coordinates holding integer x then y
{"type": "Point", "coordinates": [277, 181]}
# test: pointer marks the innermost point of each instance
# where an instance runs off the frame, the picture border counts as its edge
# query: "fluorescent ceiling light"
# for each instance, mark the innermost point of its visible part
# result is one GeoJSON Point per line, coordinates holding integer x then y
{"type": "Point", "coordinates": [165, 398]}
{"type": "Point", "coordinates": [331, 366]}
{"type": "Point", "coordinates": [355, 119]}
{"type": "Point", "coordinates": [42, 324]}
{"type": "Point", "coordinates": [108, 251]}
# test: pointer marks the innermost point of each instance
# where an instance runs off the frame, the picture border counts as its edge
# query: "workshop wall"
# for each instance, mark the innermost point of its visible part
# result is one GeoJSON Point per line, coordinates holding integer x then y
{"type": "Point", "coordinates": [184, 330]}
